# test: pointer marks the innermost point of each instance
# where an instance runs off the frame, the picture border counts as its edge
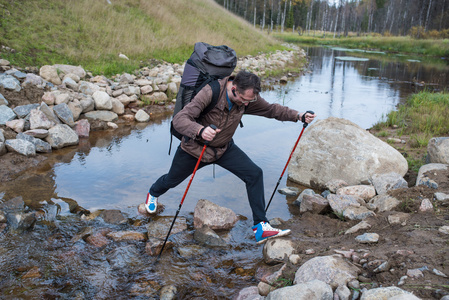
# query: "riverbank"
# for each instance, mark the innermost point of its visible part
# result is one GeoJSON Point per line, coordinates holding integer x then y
{"type": "Point", "coordinates": [438, 48]}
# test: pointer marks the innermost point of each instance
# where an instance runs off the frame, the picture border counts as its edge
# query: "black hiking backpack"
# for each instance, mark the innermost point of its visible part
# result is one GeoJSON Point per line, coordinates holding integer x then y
{"type": "Point", "coordinates": [205, 66]}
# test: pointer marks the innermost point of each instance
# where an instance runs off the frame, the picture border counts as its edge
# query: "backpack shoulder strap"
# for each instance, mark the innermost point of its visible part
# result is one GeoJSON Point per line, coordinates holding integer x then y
{"type": "Point", "coordinates": [215, 86]}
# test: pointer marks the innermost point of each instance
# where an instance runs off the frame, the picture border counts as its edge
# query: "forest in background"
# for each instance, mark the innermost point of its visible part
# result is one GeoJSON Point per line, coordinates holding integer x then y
{"type": "Point", "coordinates": [416, 18]}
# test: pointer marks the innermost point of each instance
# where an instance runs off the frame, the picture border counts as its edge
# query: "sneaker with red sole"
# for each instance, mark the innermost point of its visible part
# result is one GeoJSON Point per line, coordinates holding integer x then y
{"type": "Point", "coordinates": [151, 204]}
{"type": "Point", "coordinates": [263, 232]}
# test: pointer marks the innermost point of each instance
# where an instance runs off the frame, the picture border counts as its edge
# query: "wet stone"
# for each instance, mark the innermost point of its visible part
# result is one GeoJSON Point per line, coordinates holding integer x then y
{"type": "Point", "coordinates": [14, 204]}
{"type": "Point", "coordinates": [289, 191]}
{"type": "Point", "coordinates": [82, 235]}
{"type": "Point", "coordinates": [126, 236]}
{"type": "Point", "coordinates": [154, 245]}
{"type": "Point", "coordinates": [126, 257]}
{"type": "Point", "coordinates": [207, 236]}
{"type": "Point", "coordinates": [159, 227]}
{"type": "Point", "coordinates": [19, 222]}
{"type": "Point", "coordinates": [113, 216]}
{"type": "Point", "coordinates": [97, 240]}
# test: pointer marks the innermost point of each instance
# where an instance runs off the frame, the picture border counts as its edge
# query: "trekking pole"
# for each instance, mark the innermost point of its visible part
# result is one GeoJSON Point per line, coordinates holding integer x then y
{"type": "Point", "coordinates": [185, 193]}
{"type": "Point", "coordinates": [294, 147]}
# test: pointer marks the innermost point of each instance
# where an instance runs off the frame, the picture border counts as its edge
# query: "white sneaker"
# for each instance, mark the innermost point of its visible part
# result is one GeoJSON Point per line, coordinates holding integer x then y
{"type": "Point", "coordinates": [263, 232]}
{"type": "Point", "coordinates": [151, 204]}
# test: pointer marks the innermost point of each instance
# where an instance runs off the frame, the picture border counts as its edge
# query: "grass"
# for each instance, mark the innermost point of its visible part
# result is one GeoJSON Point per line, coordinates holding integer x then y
{"type": "Point", "coordinates": [93, 33]}
{"type": "Point", "coordinates": [423, 116]}
{"type": "Point", "coordinates": [395, 44]}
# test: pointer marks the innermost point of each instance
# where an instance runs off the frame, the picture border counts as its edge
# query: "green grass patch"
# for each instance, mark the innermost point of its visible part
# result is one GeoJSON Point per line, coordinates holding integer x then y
{"type": "Point", "coordinates": [93, 33]}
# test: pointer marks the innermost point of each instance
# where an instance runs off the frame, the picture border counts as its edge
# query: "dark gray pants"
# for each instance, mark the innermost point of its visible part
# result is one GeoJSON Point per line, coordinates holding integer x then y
{"type": "Point", "coordinates": [233, 160]}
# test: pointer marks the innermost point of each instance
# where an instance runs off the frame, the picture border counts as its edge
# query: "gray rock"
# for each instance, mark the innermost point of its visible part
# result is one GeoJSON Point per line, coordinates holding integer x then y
{"type": "Point", "coordinates": [51, 116]}
{"type": "Point", "coordinates": [142, 116]}
{"type": "Point", "coordinates": [313, 289]}
{"type": "Point", "coordinates": [62, 98]}
{"type": "Point", "coordinates": [117, 106]}
{"type": "Point", "coordinates": [64, 114]}
{"type": "Point", "coordinates": [386, 293]}
{"type": "Point", "coordinates": [438, 150]}
{"type": "Point", "coordinates": [360, 226]}
{"type": "Point", "coordinates": [87, 88]}
{"type": "Point", "coordinates": [2, 136]}
{"type": "Point", "coordinates": [249, 293]}
{"type": "Point", "coordinates": [76, 108]}
{"type": "Point", "coordinates": [103, 115]}
{"type": "Point", "coordinates": [159, 229]}
{"type": "Point", "coordinates": [316, 204]}
{"type": "Point", "coordinates": [61, 136]}
{"type": "Point", "coordinates": [132, 90]}
{"type": "Point", "coordinates": [154, 245]}
{"type": "Point", "coordinates": [3, 100]}
{"type": "Point", "coordinates": [276, 250]}
{"type": "Point", "coordinates": [383, 203]}
{"type": "Point", "coordinates": [6, 114]}
{"type": "Point", "coordinates": [208, 237]}
{"type": "Point", "coordinates": [126, 78]}
{"type": "Point", "coordinates": [102, 101]}
{"type": "Point", "coordinates": [442, 197]}
{"type": "Point", "coordinates": [39, 144]}
{"type": "Point", "coordinates": [339, 203]}
{"type": "Point", "coordinates": [357, 213]}
{"type": "Point", "coordinates": [289, 191]}
{"type": "Point", "coordinates": [367, 238]}
{"type": "Point", "coordinates": [33, 80]}
{"type": "Point", "coordinates": [361, 155]}
{"type": "Point", "coordinates": [386, 182]}
{"type": "Point", "coordinates": [212, 215]}
{"type": "Point", "coordinates": [70, 83]}
{"type": "Point", "coordinates": [10, 83]}
{"type": "Point", "coordinates": [421, 179]}
{"type": "Point", "coordinates": [333, 270]}
{"type": "Point", "coordinates": [20, 222]}
{"type": "Point", "coordinates": [39, 120]}
{"type": "Point", "coordinates": [87, 104]}
{"type": "Point", "coordinates": [24, 110]}
{"type": "Point", "coordinates": [15, 204]}
{"type": "Point", "coordinates": [301, 196]}
{"type": "Point", "coordinates": [21, 146]}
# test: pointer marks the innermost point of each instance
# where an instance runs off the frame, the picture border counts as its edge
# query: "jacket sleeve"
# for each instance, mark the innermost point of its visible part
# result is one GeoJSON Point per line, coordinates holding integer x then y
{"type": "Point", "coordinates": [185, 120]}
{"type": "Point", "coordinates": [271, 110]}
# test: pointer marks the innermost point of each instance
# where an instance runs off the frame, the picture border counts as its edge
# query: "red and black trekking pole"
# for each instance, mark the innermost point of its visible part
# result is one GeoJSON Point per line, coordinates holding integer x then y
{"type": "Point", "coordinates": [285, 168]}
{"type": "Point", "coordinates": [185, 193]}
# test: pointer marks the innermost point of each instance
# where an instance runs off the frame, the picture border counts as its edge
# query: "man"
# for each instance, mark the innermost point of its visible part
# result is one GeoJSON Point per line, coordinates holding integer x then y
{"type": "Point", "coordinates": [238, 95]}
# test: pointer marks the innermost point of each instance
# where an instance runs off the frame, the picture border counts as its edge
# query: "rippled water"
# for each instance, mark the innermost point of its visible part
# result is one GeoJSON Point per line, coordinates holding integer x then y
{"type": "Point", "coordinates": [113, 170]}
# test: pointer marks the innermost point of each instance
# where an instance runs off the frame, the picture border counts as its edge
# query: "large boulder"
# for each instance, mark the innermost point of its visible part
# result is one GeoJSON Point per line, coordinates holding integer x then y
{"type": "Point", "coordinates": [50, 73]}
{"type": "Point", "coordinates": [337, 148]}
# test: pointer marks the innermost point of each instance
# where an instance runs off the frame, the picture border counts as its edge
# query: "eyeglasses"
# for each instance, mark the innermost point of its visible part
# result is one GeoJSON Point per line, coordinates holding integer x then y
{"type": "Point", "coordinates": [248, 100]}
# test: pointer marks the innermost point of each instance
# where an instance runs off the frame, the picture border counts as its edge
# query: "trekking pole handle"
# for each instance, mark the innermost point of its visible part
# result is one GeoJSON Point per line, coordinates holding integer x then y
{"type": "Point", "coordinates": [303, 118]}
{"type": "Point", "coordinates": [214, 128]}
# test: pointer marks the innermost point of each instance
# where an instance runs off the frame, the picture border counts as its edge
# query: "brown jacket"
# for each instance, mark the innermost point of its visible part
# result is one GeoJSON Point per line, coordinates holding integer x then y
{"type": "Point", "coordinates": [220, 116]}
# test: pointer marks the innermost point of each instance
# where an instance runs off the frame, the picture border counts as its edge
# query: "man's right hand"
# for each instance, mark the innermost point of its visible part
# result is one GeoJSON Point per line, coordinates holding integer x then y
{"type": "Point", "coordinates": [208, 134]}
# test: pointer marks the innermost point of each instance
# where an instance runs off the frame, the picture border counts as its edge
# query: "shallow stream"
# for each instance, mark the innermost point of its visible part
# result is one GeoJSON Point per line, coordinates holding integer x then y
{"type": "Point", "coordinates": [113, 170]}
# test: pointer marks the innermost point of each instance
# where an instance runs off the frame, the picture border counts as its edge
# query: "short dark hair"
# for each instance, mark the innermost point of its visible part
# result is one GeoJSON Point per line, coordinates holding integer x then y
{"type": "Point", "coordinates": [245, 80]}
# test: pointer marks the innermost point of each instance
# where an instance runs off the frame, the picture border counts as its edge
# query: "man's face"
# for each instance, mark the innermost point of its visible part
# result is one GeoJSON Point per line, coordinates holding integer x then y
{"type": "Point", "coordinates": [246, 98]}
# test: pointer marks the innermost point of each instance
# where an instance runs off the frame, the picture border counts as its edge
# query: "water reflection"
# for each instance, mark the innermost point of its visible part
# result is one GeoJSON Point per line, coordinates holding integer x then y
{"type": "Point", "coordinates": [114, 169]}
